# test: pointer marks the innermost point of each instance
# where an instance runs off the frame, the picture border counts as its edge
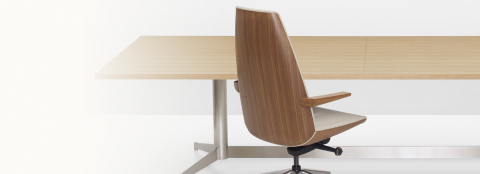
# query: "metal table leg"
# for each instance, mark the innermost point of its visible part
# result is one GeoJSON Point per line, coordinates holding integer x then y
{"type": "Point", "coordinates": [220, 118]}
{"type": "Point", "coordinates": [218, 151]}
{"type": "Point", "coordinates": [204, 162]}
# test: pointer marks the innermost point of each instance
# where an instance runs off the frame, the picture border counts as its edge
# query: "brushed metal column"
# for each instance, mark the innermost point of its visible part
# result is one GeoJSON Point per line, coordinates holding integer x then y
{"type": "Point", "coordinates": [220, 118]}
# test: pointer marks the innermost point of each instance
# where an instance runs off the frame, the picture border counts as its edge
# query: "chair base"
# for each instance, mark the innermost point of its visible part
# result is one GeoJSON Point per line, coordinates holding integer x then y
{"type": "Point", "coordinates": [304, 171]}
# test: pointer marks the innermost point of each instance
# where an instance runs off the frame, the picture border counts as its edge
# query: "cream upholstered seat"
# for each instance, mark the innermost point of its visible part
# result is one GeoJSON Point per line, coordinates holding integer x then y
{"type": "Point", "coordinates": [328, 119]}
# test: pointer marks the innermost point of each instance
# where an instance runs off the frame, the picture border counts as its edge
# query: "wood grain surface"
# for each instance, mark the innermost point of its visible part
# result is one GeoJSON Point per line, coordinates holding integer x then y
{"type": "Point", "coordinates": [330, 57]}
{"type": "Point", "coordinates": [213, 57]}
{"type": "Point", "coordinates": [423, 57]}
{"type": "Point", "coordinates": [174, 57]}
{"type": "Point", "coordinates": [235, 84]}
{"type": "Point", "coordinates": [322, 99]}
{"type": "Point", "coordinates": [319, 57]}
{"type": "Point", "coordinates": [270, 81]}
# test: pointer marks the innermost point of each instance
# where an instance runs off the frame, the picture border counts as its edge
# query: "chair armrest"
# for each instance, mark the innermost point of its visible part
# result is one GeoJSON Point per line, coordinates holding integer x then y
{"type": "Point", "coordinates": [235, 83]}
{"type": "Point", "coordinates": [322, 99]}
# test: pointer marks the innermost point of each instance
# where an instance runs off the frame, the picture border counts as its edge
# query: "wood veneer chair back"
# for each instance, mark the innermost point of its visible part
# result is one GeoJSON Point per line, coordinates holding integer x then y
{"type": "Point", "coordinates": [270, 82]}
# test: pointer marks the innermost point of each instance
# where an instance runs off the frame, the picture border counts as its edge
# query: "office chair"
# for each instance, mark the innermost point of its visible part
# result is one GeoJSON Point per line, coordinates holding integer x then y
{"type": "Point", "coordinates": [275, 104]}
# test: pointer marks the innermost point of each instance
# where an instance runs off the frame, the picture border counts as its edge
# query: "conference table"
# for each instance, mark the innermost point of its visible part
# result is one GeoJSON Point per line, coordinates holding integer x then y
{"type": "Point", "coordinates": [319, 57]}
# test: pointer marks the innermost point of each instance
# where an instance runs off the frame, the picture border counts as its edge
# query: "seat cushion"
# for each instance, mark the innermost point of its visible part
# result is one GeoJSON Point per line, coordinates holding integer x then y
{"type": "Point", "coordinates": [328, 119]}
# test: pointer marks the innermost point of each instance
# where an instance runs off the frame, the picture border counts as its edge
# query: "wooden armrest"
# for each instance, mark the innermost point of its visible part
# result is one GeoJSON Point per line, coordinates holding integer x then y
{"type": "Point", "coordinates": [322, 99]}
{"type": "Point", "coordinates": [235, 83]}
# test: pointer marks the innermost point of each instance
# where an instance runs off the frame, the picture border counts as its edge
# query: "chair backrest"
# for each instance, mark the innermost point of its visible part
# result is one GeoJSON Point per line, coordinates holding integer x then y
{"type": "Point", "coordinates": [270, 81]}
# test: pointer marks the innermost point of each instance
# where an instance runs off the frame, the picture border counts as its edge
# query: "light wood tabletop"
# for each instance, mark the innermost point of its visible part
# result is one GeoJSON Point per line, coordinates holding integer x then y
{"type": "Point", "coordinates": [319, 57]}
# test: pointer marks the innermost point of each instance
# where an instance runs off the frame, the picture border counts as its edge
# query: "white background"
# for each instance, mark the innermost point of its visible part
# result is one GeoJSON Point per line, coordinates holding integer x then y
{"type": "Point", "coordinates": [56, 118]}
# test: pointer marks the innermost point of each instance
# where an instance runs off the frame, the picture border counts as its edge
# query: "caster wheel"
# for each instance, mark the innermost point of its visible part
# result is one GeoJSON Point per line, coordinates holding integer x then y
{"type": "Point", "coordinates": [338, 151]}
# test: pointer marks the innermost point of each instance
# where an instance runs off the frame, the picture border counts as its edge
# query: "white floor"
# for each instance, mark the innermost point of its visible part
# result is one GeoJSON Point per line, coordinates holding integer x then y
{"type": "Point", "coordinates": [151, 144]}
